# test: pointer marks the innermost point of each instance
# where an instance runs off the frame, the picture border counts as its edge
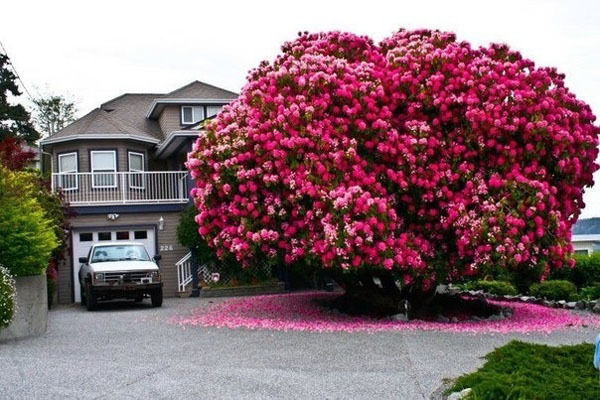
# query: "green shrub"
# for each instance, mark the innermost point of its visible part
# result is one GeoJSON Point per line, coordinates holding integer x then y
{"type": "Point", "coordinates": [27, 236]}
{"type": "Point", "coordinates": [590, 292]}
{"type": "Point", "coordinates": [521, 370]}
{"type": "Point", "coordinates": [554, 290]}
{"type": "Point", "coordinates": [585, 273]}
{"type": "Point", "coordinates": [188, 236]}
{"type": "Point", "coordinates": [499, 288]}
{"type": "Point", "coordinates": [7, 297]}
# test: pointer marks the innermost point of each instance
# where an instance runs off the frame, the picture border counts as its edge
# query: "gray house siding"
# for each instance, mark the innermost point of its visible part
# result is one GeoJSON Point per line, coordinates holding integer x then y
{"type": "Point", "coordinates": [83, 147]}
{"type": "Point", "coordinates": [170, 119]}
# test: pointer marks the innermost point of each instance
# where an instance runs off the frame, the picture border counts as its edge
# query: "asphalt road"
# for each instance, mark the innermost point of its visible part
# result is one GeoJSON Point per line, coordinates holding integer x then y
{"type": "Point", "coordinates": [129, 350]}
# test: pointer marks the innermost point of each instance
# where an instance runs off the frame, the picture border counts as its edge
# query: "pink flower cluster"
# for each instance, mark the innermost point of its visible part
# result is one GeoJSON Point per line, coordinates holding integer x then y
{"type": "Point", "coordinates": [300, 312]}
{"type": "Point", "coordinates": [401, 155]}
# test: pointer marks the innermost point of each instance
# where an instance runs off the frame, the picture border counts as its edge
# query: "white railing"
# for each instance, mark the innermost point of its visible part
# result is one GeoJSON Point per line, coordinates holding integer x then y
{"type": "Point", "coordinates": [184, 272]}
{"type": "Point", "coordinates": [94, 188]}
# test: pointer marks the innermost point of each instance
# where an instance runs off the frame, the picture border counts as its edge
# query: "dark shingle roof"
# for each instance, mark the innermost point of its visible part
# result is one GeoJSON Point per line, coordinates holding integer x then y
{"type": "Point", "coordinates": [588, 226]}
{"type": "Point", "coordinates": [100, 122]}
{"type": "Point", "coordinates": [126, 114]}
{"type": "Point", "coordinates": [200, 90]}
{"type": "Point", "coordinates": [131, 108]}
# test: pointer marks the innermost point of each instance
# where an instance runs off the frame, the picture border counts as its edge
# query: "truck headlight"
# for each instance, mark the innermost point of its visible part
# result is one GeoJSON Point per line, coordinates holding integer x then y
{"type": "Point", "coordinates": [98, 276]}
{"type": "Point", "coordinates": [155, 275]}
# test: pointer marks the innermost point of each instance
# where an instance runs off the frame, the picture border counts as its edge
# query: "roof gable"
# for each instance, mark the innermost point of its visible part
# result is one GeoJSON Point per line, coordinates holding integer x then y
{"type": "Point", "coordinates": [200, 90]}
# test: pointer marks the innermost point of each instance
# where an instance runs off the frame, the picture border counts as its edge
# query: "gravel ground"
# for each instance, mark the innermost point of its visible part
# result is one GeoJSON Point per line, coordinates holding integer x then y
{"type": "Point", "coordinates": [129, 350]}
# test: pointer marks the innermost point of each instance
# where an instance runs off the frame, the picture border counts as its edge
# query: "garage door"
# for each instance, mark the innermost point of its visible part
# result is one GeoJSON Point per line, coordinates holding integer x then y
{"type": "Point", "coordinates": [84, 239]}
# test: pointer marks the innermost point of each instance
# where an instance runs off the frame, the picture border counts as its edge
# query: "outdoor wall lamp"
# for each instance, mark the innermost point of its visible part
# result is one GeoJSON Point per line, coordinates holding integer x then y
{"type": "Point", "coordinates": [161, 223]}
{"type": "Point", "coordinates": [112, 217]}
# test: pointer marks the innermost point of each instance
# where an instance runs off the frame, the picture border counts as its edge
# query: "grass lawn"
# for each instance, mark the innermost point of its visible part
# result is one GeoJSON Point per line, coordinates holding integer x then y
{"type": "Point", "coordinates": [521, 370]}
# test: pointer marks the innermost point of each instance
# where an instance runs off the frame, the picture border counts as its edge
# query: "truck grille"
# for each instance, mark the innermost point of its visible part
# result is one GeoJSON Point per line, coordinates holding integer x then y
{"type": "Point", "coordinates": [125, 277]}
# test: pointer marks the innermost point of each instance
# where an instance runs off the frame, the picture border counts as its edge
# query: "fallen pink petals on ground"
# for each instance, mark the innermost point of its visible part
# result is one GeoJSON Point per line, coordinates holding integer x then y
{"type": "Point", "coordinates": [300, 312]}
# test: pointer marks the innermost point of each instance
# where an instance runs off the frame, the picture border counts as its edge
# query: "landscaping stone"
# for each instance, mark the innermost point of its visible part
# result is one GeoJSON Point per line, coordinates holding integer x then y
{"type": "Point", "coordinates": [460, 395]}
{"type": "Point", "coordinates": [399, 317]}
{"type": "Point", "coordinates": [561, 303]}
{"type": "Point", "coordinates": [441, 289]}
{"type": "Point", "coordinates": [442, 318]}
{"type": "Point", "coordinates": [253, 290]}
{"type": "Point", "coordinates": [571, 304]}
{"type": "Point", "coordinates": [454, 319]}
{"type": "Point", "coordinates": [596, 308]}
{"type": "Point", "coordinates": [548, 303]}
{"type": "Point", "coordinates": [580, 305]}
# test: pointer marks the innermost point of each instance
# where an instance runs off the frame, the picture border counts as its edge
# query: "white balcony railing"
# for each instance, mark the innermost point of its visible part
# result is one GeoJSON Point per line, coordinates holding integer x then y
{"type": "Point", "coordinates": [108, 188]}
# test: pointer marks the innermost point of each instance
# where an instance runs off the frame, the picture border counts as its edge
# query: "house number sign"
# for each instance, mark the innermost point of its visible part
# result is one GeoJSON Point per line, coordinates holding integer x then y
{"type": "Point", "coordinates": [166, 247]}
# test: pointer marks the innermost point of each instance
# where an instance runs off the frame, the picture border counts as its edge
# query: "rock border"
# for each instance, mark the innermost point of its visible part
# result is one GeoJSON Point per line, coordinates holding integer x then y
{"type": "Point", "coordinates": [250, 290]}
{"type": "Point", "coordinates": [582, 305]}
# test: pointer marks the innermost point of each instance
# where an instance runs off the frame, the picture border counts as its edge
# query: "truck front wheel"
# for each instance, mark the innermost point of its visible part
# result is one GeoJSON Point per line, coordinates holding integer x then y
{"type": "Point", "coordinates": [157, 297]}
{"type": "Point", "coordinates": [90, 298]}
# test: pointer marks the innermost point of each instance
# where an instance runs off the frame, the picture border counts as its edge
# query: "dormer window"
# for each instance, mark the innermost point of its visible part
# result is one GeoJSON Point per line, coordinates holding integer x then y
{"type": "Point", "coordinates": [191, 114]}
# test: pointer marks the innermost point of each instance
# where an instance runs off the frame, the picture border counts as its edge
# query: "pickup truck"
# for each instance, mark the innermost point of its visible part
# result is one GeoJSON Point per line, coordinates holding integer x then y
{"type": "Point", "coordinates": [119, 271]}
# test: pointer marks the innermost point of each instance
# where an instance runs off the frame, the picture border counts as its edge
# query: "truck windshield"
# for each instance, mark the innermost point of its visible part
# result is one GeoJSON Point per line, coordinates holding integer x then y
{"type": "Point", "coordinates": [120, 253]}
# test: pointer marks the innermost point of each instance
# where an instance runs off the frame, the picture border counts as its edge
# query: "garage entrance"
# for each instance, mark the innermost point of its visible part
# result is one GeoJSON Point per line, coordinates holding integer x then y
{"type": "Point", "coordinates": [83, 239]}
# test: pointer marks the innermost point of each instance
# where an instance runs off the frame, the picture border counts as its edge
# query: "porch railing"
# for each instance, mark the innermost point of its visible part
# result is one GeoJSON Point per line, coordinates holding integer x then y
{"type": "Point", "coordinates": [184, 272]}
{"type": "Point", "coordinates": [105, 188]}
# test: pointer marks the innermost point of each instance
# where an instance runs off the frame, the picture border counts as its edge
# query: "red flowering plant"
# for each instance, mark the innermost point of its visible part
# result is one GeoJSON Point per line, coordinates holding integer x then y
{"type": "Point", "coordinates": [420, 159]}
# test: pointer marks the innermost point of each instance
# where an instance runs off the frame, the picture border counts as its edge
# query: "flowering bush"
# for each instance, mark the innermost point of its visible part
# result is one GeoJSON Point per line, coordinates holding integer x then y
{"type": "Point", "coordinates": [420, 155]}
{"type": "Point", "coordinates": [7, 297]}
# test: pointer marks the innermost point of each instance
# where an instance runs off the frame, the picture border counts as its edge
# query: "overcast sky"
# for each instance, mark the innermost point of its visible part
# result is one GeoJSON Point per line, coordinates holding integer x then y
{"type": "Point", "coordinates": [94, 51]}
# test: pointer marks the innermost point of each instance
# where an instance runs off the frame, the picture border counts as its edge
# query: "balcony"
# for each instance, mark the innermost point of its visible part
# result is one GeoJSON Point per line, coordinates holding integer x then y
{"type": "Point", "coordinates": [118, 188]}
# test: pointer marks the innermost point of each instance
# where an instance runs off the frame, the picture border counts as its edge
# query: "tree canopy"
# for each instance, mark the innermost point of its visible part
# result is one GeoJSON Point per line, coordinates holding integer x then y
{"type": "Point", "coordinates": [53, 113]}
{"type": "Point", "coordinates": [15, 120]}
{"type": "Point", "coordinates": [420, 155]}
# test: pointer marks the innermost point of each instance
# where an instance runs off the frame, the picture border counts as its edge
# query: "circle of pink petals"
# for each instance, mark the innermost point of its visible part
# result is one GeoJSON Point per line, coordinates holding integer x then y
{"type": "Point", "coordinates": [300, 312]}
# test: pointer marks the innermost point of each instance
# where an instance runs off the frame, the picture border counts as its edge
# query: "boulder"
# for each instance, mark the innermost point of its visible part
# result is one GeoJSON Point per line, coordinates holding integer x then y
{"type": "Point", "coordinates": [460, 395]}
{"type": "Point", "coordinates": [549, 303]}
{"type": "Point", "coordinates": [571, 305]}
{"type": "Point", "coordinates": [399, 317]}
{"type": "Point", "coordinates": [596, 308]}
{"type": "Point", "coordinates": [442, 318]}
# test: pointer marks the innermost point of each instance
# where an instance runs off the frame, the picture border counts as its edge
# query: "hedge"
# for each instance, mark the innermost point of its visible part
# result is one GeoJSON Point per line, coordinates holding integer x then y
{"type": "Point", "coordinates": [27, 235]}
{"type": "Point", "coordinates": [586, 271]}
{"type": "Point", "coordinates": [554, 290]}
{"type": "Point", "coordinates": [499, 288]}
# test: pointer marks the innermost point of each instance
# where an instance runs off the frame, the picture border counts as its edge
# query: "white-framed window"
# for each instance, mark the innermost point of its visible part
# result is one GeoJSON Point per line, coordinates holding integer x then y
{"type": "Point", "coordinates": [191, 114]}
{"type": "Point", "coordinates": [68, 167]}
{"type": "Point", "coordinates": [213, 110]}
{"type": "Point", "coordinates": [582, 251]}
{"type": "Point", "coordinates": [104, 168]}
{"type": "Point", "coordinates": [136, 170]}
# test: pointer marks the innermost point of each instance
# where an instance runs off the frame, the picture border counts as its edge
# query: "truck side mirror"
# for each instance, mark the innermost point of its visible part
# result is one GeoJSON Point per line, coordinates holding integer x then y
{"type": "Point", "coordinates": [83, 260]}
{"type": "Point", "coordinates": [157, 257]}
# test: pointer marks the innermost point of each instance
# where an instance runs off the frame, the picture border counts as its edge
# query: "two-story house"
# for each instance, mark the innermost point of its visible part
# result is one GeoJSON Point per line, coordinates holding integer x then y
{"type": "Point", "coordinates": [121, 169]}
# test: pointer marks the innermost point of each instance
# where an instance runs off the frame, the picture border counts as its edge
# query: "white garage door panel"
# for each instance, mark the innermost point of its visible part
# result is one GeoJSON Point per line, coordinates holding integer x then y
{"type": "Point", "coordinates": [83, 240]}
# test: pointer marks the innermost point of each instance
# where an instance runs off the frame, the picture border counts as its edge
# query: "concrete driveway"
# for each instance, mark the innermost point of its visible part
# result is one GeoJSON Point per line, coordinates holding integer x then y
{"type": "Point", "coordinates": [129, 350]}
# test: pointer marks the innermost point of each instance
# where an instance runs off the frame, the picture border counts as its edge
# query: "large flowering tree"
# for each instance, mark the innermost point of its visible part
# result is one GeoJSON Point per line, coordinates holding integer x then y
{"type": "Point", "coordinates": [420, 156]}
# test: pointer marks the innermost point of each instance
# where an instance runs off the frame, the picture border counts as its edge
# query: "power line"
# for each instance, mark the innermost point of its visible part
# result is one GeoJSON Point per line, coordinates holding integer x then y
{"type": "Point", "coordinates": [16, 73]}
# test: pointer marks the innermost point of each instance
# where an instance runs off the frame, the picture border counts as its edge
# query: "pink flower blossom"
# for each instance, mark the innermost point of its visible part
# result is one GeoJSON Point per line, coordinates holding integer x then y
{"type": "Point", "coordinates": [300, 312]}
{"type": "Point", "coordinates": [398, 155]}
